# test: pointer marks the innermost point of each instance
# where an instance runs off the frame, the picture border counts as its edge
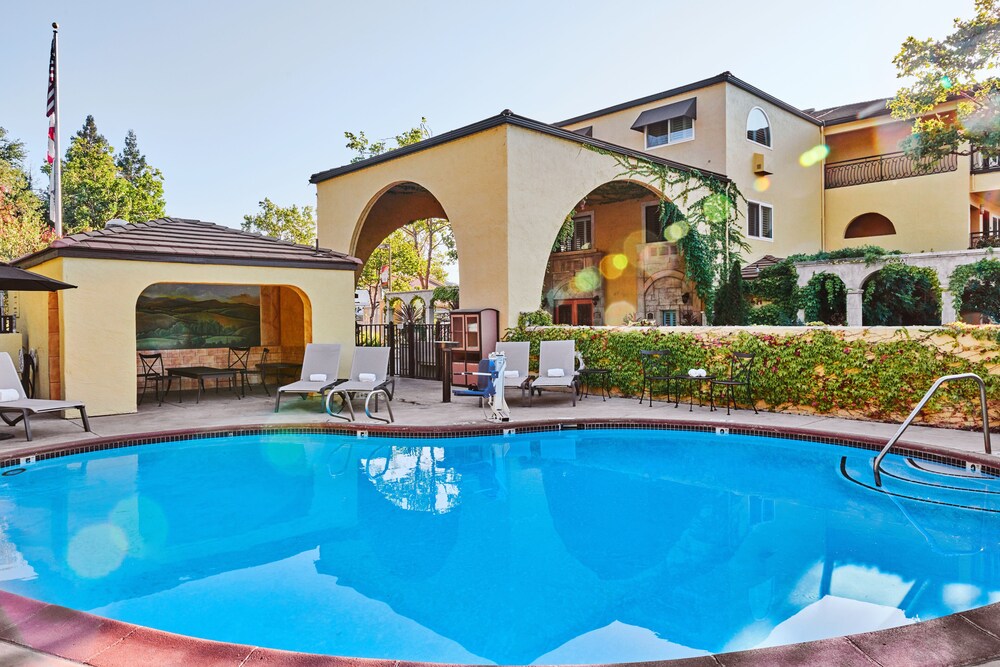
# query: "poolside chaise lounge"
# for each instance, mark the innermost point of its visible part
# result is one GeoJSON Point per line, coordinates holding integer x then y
{"type": "Point", "coordinates": [516, 375]}
{"type": "Point", "coordinates": [556, 366]}
{"type": "Point", "coordinates": [369, 377]}
{"type": "Point", "coordinates": [25, 408]}
{"type": "Point", "coordinates": [322, 362]}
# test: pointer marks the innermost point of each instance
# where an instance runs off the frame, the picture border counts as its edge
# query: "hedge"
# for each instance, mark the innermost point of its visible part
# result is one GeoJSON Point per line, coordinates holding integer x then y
{"type": "Point", "coordinates": [816, 370]}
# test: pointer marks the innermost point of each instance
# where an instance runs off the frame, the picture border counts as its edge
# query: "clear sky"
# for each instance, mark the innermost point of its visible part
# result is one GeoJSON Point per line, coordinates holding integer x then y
{"type": "Point", "coordinates": [235, 101]}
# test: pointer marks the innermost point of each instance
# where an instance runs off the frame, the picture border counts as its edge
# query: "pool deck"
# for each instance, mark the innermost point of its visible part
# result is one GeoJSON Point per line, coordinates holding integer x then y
{"type": "Point", "coordinates": [37, 634]}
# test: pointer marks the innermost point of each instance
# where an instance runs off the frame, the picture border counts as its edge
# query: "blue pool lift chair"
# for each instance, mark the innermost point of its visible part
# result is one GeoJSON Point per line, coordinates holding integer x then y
{"type": "Point", "coordinates": [485, 375]}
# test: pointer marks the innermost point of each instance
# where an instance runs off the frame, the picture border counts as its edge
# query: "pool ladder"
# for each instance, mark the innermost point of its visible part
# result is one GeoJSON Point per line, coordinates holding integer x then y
{"type": "Point", "coordinates": [920, 406]}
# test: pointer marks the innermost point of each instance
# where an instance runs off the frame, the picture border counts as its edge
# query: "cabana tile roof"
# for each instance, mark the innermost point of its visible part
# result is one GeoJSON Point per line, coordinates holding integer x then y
{"type": "Point", "coordinates": [191, 242]}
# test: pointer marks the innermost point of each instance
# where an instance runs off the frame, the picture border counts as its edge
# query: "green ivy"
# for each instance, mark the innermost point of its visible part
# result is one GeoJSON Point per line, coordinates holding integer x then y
{"type": "Point", "coordinates": [816, 371]}
{"type": "Point", "coordinates": [976, 287]}
{"type": "Point", "coordinates": [824, 299]}
{"type": "Point", "coordinates": [536, 318]}
{"type": "Point", "coordinates": [900, 294]}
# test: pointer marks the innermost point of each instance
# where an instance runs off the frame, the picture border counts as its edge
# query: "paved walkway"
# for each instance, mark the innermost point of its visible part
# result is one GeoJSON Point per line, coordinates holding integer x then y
{"type": "Point", "coordinates": [418, 403]}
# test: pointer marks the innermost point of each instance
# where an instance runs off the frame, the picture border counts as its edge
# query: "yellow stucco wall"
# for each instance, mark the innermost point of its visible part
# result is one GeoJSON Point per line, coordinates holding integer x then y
{"type": "Point", "coordinates": [98, 318]}
{"type": "Point", "coordinates": [929, 212]}
{"type": "Point", "coordinates": [706, 151]}
{"type": "Point", "coordinates": [795, 192]}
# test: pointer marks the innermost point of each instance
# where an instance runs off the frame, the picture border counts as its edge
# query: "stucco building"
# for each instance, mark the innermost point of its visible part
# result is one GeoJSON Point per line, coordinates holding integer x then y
{"type": "Point", "coordinates": [508, 183]}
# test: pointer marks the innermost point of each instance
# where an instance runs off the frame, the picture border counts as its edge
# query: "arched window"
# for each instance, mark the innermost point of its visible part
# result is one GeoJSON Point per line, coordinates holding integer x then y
{"type": "Point", "coordinates": [758, 127]}
{"type": "Point", "coordinates": [869, 224]}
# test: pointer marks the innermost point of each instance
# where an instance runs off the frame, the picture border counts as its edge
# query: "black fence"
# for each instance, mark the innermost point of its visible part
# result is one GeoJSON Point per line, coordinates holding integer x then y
{"type": "Point", "coordinates": [412, 352]}
{"type": "Point", "coordinates": [888, 167]}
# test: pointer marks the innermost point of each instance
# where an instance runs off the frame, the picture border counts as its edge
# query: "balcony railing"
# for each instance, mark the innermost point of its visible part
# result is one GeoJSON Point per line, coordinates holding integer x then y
{"type": "Point", "coordinates": [982, 164]}
{"type": "Point", "coordinates": [887, 167]}
{"type": "Point", "coordinates": [988, 239]}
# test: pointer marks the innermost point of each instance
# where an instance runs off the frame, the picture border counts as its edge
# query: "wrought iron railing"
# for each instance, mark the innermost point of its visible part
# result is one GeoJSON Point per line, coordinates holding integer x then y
{"type": "Point", "coordinates": [887, 167]}
{"type": "Point", "coordinates": [982, 164]}
{"type": "Point", "coordinates": [7, 324]}
{"type": "Point", "coordinates": [412, 352]}
{"type": "Point", "coordinates": [987, 239]}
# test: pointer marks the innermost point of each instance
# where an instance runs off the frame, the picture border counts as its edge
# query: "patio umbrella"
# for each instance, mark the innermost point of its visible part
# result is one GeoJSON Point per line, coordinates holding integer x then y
{"type": "Point", "coordinates": [19, 280]}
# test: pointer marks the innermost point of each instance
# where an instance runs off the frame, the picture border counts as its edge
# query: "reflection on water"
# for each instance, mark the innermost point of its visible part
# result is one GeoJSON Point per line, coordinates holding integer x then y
{"type": "Point", "coordinates": [595, 546]}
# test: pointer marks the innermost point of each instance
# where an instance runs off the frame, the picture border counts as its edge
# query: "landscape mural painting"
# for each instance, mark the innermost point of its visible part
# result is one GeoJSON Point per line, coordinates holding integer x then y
{"type": "Point", "coordinates": [173, 316]}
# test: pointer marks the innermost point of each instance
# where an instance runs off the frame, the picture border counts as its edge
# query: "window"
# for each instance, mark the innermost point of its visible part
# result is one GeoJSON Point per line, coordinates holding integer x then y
{"type": "Point", "coordinates": [668, 318]}
{"type": "Point", "coordinates": [575, 312]}
{"type": "Point", "coordinates": [758, 128]}
{"type": "Point", "coordinates": [669, 131]}
{"type": "Point", "coordinates": [760, 221]}
{"type": "Point", "coordinates": [583, 233]}
{"type": "Point", "coordinates": [651, 222]}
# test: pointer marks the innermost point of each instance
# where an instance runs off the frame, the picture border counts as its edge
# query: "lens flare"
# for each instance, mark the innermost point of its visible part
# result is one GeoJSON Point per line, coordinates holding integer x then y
{"type": "Point", "coordinates": [946, 82]}
{"type": "Point", "coordinates": [615, 312]}
{"type": "Point", "coordinates": [716, 208]}
{"type": "Point", "coordinates": [97, 550]}
{"type": "Point", "coordinates": [613, 265]}
{"type": "Point", "coordinates": [676, 231]}
{"type": "Point", "coordinates": [143, 522]}
{"type": "Point", "coordinates": [761, 183]}
{"type": "Point", "coordinates": [587, 280]}
{"type": "Point", "coordinates": [814, 155]}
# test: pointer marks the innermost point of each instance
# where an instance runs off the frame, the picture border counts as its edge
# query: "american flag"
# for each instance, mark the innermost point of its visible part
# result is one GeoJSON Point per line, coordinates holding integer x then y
{"type": "Point", "coordinates": [50, 109]}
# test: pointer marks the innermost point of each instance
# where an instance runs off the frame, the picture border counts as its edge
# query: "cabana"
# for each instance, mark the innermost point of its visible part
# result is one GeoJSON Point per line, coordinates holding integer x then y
{"type": "Point", "coordinates": [187, 288]}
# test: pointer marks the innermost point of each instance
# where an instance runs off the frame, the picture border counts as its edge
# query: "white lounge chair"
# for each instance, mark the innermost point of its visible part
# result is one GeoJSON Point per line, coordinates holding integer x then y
{"type": "Point", "coordinates": [25, 408]}
{"type": "Point", "coordinates": [516, 374]}
{"type": "Point", "coordinates": [373, 363]}
{"type": "Point", "coordinates": [556, 367]}
{"type": "Point", "coordinates": [320, 359]}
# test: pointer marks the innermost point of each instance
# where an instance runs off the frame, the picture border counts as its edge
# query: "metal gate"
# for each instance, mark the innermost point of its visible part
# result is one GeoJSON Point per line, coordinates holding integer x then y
{"type": "Point", "coordinates": [412, 352]}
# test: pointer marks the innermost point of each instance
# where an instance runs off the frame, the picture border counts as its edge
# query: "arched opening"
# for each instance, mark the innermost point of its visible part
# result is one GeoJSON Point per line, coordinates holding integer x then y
{"type": "Point", "coordinates": [406, 242]}
{"type": "Point", "coordinates": [901, 295]}
{"type": "Point", "coordinates": [869, 224]}
{"type": "Point", "coordinates": [826, 299]}
{"type": "Point", "coordinates": [610, 261]}
{"type": "Point", "coordinates": [197, 323]}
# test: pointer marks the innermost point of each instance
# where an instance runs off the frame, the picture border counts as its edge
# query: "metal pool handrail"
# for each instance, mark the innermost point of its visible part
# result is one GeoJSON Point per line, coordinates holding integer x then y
{"type": "Point", "coordinates": [923, 401]}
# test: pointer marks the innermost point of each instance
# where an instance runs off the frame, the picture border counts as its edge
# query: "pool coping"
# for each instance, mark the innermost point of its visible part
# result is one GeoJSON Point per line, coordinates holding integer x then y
{"type": "Point", "coordinates": [966, 638]}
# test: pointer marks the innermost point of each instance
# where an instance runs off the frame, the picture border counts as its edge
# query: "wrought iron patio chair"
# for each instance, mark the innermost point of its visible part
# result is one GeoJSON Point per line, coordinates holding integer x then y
{"type": "Point", "coordinates": [152, 374]}
{"type": "Point", "coordinates": [740, 375]}
{"type": "Point", "coordinates": [655, 370]}
{"type": "Point", "coordinates": [238, 359]}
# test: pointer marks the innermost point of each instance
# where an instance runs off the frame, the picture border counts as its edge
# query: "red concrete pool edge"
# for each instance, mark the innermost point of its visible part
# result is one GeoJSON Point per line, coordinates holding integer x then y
{"type": "Point", "coordinates": [966, 638]}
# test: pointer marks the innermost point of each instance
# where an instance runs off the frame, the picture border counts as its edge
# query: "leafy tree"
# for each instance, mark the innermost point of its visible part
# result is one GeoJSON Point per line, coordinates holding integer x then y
{"type": "Point", "coordinates": [446, 294]}
{"type": "Point", "coordinates": [22, 227]}
{"type": "Point", "coordinates": [901, 295]}
{"type": "Point", "coordinates": [432, 239]}
{"type": "Point", "coordinates": [145, 192]}
{"type": "Point", "coordinates": [976, 288]}
{"type": "Point", "coordinates": [288, 223]}
{"type": "Point", "coordinates": [730, 302]}
{"type": "Point", "coordinates": [955, 67]}
{"type": "Point", "coordinates": [96, 188]}
{"type": "Point", "coordinates": [405, 266]}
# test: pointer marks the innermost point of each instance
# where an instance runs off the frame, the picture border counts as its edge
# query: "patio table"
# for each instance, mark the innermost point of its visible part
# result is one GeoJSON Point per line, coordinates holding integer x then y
{"type": "Point", "coordinates": [695, 382]}
{"type": "Point", "coordinates": [200, 374]}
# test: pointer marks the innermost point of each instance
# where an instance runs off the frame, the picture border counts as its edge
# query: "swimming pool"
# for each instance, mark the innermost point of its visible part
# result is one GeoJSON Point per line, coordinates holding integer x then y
{"type": "Point", "coordinates": [554, 547]}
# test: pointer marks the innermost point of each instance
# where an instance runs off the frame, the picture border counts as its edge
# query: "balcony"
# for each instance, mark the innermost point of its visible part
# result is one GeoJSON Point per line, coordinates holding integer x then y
{"type": "Point", "coordinates": [987, 239]}
{"type": "Point", "coordinates": [982, 164]}
{"type": "Point", "coordinates": [887, 167]}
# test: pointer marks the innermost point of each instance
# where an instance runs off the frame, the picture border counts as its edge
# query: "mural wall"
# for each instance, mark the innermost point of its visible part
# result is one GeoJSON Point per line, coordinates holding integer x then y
{"type": "Point", "coordinates": [174, 316]}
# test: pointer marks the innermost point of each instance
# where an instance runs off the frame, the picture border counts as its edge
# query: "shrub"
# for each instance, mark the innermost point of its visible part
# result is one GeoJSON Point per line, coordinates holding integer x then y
{"type": "Point", "coordinates": [536, 318]}
{"type": "Point", "coordinates": [770, 314]}
{"type": "Point", "coordinates": [824, 299]}
{"type": "Point", "coordinates": [730, 302]}
{"type": "Point", "coordinates": [976, 287]}
{"type": "Point", "coordinates": [900, 294]}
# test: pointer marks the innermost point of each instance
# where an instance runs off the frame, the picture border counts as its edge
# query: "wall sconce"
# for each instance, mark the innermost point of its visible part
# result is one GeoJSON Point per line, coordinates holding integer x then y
{"type": "Point", "coordinates": [582, 205]}
{"type": "Point", "coordinates": [686, 298]}
{"type": "Point", "coordinates": [596, 299]}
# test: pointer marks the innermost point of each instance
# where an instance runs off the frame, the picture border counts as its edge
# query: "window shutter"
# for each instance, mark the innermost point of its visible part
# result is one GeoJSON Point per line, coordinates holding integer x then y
{"type": "Point", "coordinates": [766, 229]}
{"type": "Point", "coordinates": [753, 219]}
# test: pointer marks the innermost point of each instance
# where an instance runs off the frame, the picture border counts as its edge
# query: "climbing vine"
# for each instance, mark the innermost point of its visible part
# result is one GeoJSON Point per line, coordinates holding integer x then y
{"type": "Point", "coordinates": [976, 287]}
{"type": "Point", "coordinates": [815, 371]}
{"type": "Point", "coordinates": [900, 294]}
{"type": "Point", "coordinates": [706, 231]}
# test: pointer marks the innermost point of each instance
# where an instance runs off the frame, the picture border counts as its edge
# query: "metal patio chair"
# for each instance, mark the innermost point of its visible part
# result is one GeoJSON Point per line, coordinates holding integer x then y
{"type": "Point", "coordinates": [740, 374]}
{"type": "Point", "coordinates": [152, 374]}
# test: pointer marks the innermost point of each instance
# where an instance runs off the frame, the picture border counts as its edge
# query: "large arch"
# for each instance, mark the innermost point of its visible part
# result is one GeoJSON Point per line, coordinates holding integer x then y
{"type": "Point", "coordinates": [504, 185]}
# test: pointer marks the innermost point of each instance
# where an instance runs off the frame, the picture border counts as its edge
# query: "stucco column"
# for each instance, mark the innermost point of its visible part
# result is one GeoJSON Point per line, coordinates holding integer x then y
{"type": "Point", "coordinates": [854, 307]}
{"type": "Point", "coordinates": [948, 313]}
{"type": "Point", "coordinates": [801, 315]}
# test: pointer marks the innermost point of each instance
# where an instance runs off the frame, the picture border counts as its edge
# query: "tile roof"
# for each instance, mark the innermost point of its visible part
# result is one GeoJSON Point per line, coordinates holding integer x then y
{"type": "Point", "coordinates": [189, 241]}
{"type": "Point", "coordinates": [845, 113]}
{"type": "Point", "coordinates": [751, 271]}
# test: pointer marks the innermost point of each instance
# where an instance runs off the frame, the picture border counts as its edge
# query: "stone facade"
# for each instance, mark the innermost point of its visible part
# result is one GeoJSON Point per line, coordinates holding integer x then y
{"type": "Point", "coordinates": [575, 274]}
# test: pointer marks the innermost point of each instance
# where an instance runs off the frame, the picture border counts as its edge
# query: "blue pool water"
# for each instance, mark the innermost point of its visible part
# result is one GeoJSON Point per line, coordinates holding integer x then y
{"type": "Point", "coordinates": [566, 547]}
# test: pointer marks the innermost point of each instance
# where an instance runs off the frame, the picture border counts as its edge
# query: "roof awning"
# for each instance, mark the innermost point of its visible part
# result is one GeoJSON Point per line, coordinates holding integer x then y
{"type": "Point", "coordinates": [688, 108]}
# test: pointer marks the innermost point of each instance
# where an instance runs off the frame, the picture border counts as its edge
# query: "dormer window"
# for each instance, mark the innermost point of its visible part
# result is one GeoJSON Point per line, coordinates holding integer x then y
{"type": "Point", "coordinates": [758, 127]}
{"type": "Point", "coordinates": [668, 124]}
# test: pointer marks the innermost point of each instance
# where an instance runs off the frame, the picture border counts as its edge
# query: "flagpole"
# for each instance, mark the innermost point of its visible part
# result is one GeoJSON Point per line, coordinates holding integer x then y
{"type": "Point", "coordinates": [57, 163]}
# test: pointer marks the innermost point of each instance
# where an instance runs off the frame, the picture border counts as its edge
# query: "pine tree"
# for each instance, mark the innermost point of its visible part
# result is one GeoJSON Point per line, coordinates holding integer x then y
{"type": "Point", "coordinates": [131, 163]}
{"type": "Point", "coordinates": [730, 301]}
{"type": "Point", "coordinates": [145, 192]}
